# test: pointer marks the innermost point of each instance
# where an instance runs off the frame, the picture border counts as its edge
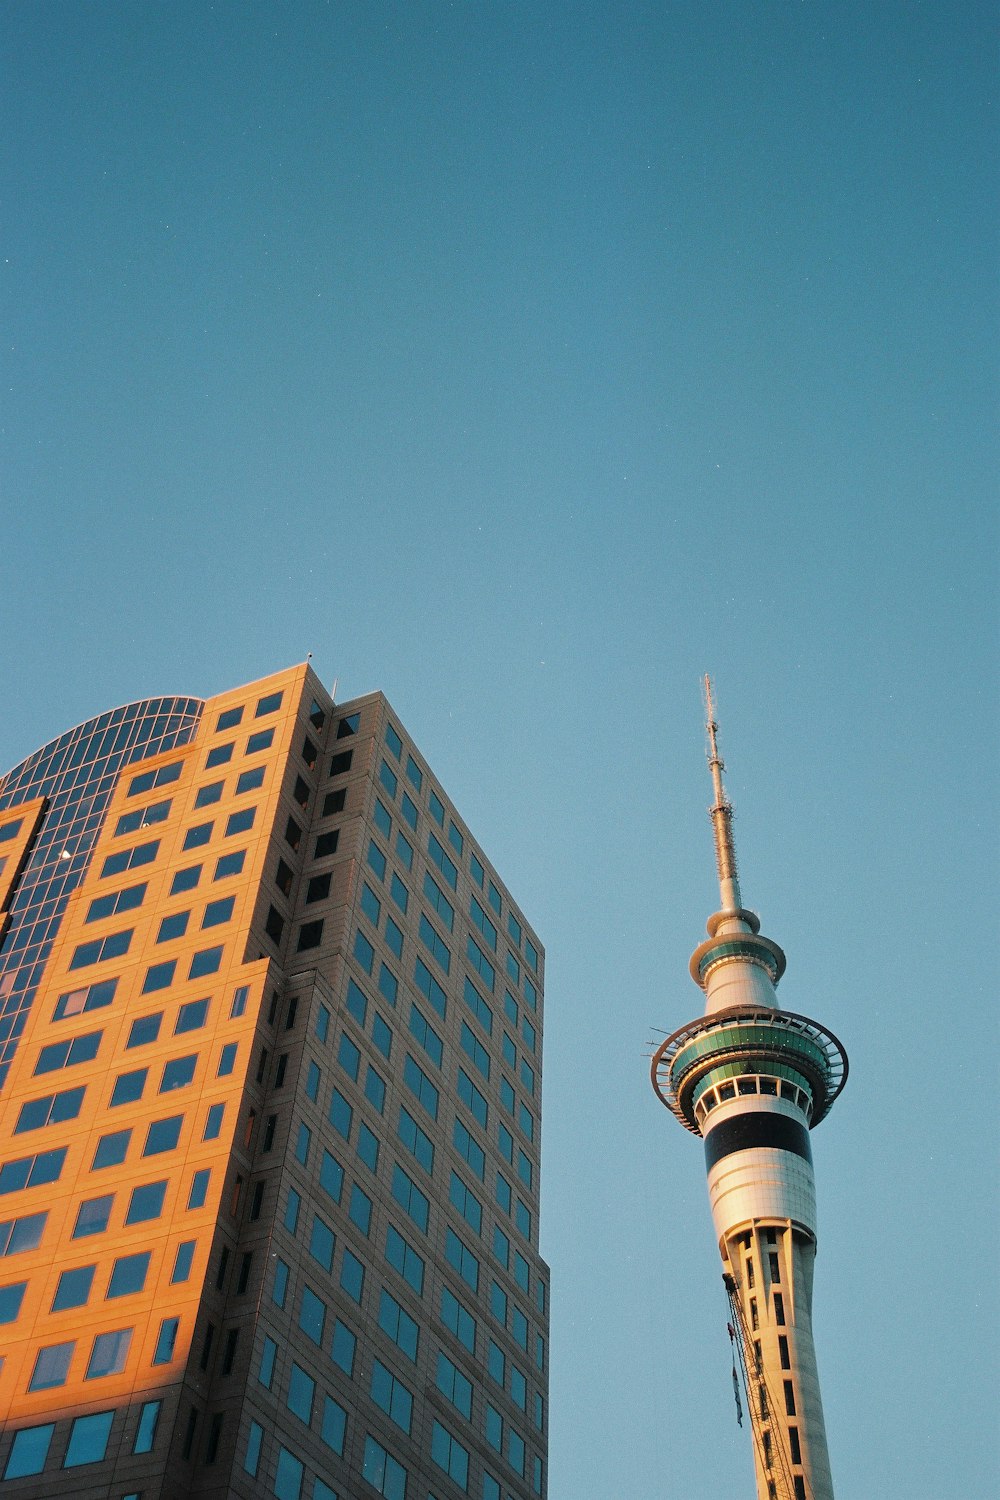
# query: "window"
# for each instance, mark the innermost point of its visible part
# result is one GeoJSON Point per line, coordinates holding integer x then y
{"type": "Point", "coordinates": [288, 1476]}
{"type": "Point", "coordinates": [326, 844]}
{"type": "Point", "coordinates": [88, 1439]}
{"type": "Point", "coordinates": [142, 817]}
{"type": "Point", "coordinates": [217, 912]}
{"type": "Point", "coordinates": [387, 777]}
{"type": "Point", "coordinates": [312, 1315]}
{"type": "Point", "coordinates": [333, 1429]}
{"type": "Point", "coordinates": [301, 1394]}
{"type": "Point", "coordinates": [474, 1049]}
{"type": "Point", "coordinates": [91, 997]}
{"type": "Point", "coordinates": [458, 1320]}
{"type": "Point", "coordinates": [205, 962]}
{"type": "Point", "coordinates": [404, 1259]}
{"type": "Point", "coordinates": [163, 1135]}
{"type": "Point", "coordinates": [360, 1211]}
{"type": "Point", "coordinates": [128, 1275]}
{"type": "Point", "coordinates": [363, 951]}
{"type": "Point", "coordinates": [420, 1086]}
{"type": "Point", "coordinates": [367, 1147]}
{"type": "Point", "coordinates": [416, 1142]}
{"type": "Point", "coordinates": [11, 1297]}
{"type": "Point", "coordinates": [178, 1073]}
{"type": "Point", "coordinates": [409, 1197]}
{"type": "Point", "coordinates": [146, 1202]}
{"type": "Point", "coordinates": [483, 923]}
{"type": "Point", "coordinates": [461, 1258]}
{"type": "Point", "coordinates": [196, 837]}
{"type": "Point", "coordinates": [343, 1348]}
{"type": "Point", "coordinates": [334, 802]}
{"type": "Point", "coordinates": [116, 901]}
{"type": "Point", "coordinates": [497, 1364]}
{"type": "Point", "coordinates": [251, 1459]}
{"type": "Point", "coordinates": [393, 937]}
{"type": "Point", "coordinates": [185, 880]}
{"type": "Point", "coordinates": [438, 902]}
{"type": "Point", "coordinates": [229, 864]}
{"type": "Point", "coordinates": [32, 1171]}
{"type": "Point", "coordinates": [145, 1435]}
{"type": "Point", "coordinates": [409, 810]}
{"type": "Point", "coordinates": [159, 976]}
{"type": "Point", "coordinates": [466, 1202]}
{"type": "Point", "coordinates": [397, 1324]}
{"type": "Point", "coordinates": [430, 988]}
{"type": "Point", "coordinates": [501, 1246]}
{"type": "Point", "coordinates": [207, 795]}
{"type": "Point", "coordinates": [341, 763]}
{"type": "Point", "coordinates": [382, 819]}
{"type": "Point", "coordinates": [51, 1366]}
{"type": "Point", "coordinates": [322, 1242]}
{"type": "Point", "coordinates": [182, 1261]}
{"type": "Point", "coordinates": [392, 1396]}
{"type": "Point", "coordinates": [340, 1114]}
{"type": "Point", "coordinates": [393, 740]}
{"type": "Point", "coordinates": [191, 1016]}
{"type": "Point", "coordinates": [348, 725]}
{"type": "Point", "coordinates": [352, 1276]}
{"type": "Point", "coordinates": [435, 944]}
{"type": "Point", "coordinates": [453, 1385]}
{"type": "Point", "coordinates": [268, 705]}
{"type": "Point", "coordinates": [383, 1472]}
{"type": "Point", "coordinates": [99, 950]}
{"type": "Point", "coordinates": [469, 1149]}
{"type": "Point", "coordinates": [478, 960]}
{"type": "Point", "coordinates": [49, 1109]}
{"type": "Point", "coordinates": [109, 1353]}
{"type": "Point", "coordinates": [447, 1452]}
{"type": "Point", "coordinates": [310, 935]}
{"type": "Point", "coordinates": [478, 1006]}
{"type": "Point", "coordinates": [370, 905]}
{"type": "Point", "coordinates": [227, 1061]}
{"type": "Point", "coordinates": [130, 859]}
{"type": "Point", "coordinates": [199, 1188]}
{"type": "Point", "coordinates": [472, 1098]}
{"type": "Point", "coordinates": [424, 1033]}
{"type": "Point", "coordinates": [494, 1428]}
{"type": "Point", "coordinates": [29, 1451]}
{"type": "Point", "coordinates": [443, 861]}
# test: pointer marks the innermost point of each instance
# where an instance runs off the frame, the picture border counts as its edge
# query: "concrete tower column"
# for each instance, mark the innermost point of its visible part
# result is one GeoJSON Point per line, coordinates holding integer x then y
{"type": "Point", "coordinates": [753, 1080]}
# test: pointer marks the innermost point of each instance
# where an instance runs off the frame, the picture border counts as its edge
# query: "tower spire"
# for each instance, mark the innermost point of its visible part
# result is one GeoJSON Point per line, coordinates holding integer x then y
{"type": "Point", "coordinates": [722, 814]}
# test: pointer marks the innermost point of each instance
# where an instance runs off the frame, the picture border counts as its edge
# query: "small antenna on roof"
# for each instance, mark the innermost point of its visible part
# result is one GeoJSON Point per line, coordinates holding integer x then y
{"type": "Point", "coordinates": [721, 813]}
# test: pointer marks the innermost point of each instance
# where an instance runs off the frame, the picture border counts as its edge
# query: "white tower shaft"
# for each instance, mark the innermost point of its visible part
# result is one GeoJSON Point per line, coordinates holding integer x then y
{"type": "Point", "coordinates": [752, 1080]}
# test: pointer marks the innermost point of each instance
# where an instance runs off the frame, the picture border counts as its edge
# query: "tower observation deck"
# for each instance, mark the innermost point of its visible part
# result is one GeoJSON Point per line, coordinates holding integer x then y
{"type": "Point", "coordinates": [752, 1080]}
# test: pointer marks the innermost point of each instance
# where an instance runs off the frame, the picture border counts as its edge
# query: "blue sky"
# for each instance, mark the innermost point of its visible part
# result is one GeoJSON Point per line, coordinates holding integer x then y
{"type": "Point", "coordinates": [527, 361]}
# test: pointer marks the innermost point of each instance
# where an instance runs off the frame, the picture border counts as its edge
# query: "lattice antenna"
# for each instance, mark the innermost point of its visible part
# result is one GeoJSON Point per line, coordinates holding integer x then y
{"type": "Point", "coordinates": [721, 813]}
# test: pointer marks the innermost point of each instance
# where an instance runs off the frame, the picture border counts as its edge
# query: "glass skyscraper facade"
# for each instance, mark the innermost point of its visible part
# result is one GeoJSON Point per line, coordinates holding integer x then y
{"type": "Point", "coordinates": [270, 1069]}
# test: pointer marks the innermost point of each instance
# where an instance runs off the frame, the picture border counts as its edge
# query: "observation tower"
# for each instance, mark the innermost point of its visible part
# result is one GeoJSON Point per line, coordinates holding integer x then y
{"type": "Point", "coordinates": [752, 1080]}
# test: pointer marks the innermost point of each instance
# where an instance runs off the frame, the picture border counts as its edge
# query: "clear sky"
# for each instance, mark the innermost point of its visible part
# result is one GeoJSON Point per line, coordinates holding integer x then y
{"type": "Point", "coordinates": [527, 360]}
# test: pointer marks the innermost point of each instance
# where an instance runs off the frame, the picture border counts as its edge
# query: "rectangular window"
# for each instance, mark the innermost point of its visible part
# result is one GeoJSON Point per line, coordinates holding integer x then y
{"type": "Point", "coordinates": [196, 837]}
{"type": "Point", "coordinates": [420, 1086]}
{"type": "Point", "coordinates": [142, 817]}
{"type": "Point", "coordinates": [90, 997]}
{"type": "Point", "coordinates": [392, 1396]}
{"type": "Point", "coordinates": [109, 1354]}
{"type": "Point", "coordinates": [443, 861]}
{"type": "Point", "coordinates": [409, 1197]}
{"type": "Point", "coordinates": [466, 1202]}
{"type": "Point", "coordinates": [424, 1033]}
{"type": "Point", "coordinates": [101, 950]}
{"type": "Point", "coordinates": [461, 1258]}
{"type": "Point", "coordinates": [438, 902]}
{"type": "Point", "coordinates": [383, 1472]}
{"type": "Point", "coordinates": [88, 1439]}
{"type": "Point", "coordinates": [404, 1259]}
{"type": "Point", "coordinates": [130, 859]}
{"type": "Point", "coordinates": [115, 902]}
{"type": "Point", "coordinates": [449, 1454]}
{"type": "Point", "coordinates": [458, 1320]}
{"type": "Point", "coordinates": [415, 1141]}
{"type": "Point", "coordinates": [478, 960]}
{"type": "Point", "coordinates": [434, 944]}
{"type": "Point", "coordinates": [185, 880]}
{"type": "Point", "coordinates": [49, 1109]}
{"type": "Point", "coordinates": [429, 987]}
{"type": "Point", "coordinates": [397, 1324]}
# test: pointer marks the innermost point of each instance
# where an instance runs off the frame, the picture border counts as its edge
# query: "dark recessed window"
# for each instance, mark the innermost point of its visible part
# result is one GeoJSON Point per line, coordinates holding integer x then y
{"type": "Point", "coordinates": [334, 802]}
{"type": "Point", "coordinates": [309, 752]}
{"type": "Point", "coordinates": [318, 888]}
{"type": "Point", "coordinates": [275, 924]}
{"type": "Point", "coordinates": [317, 717]}
{"type": "Point", "coordinates": [293, 835]}
{"type": "Point", "coordinates": [349, 725]}
{"type": "Point", "coordinates": [327, 843]}
{"type": "Point", "coordinates": [300, 792]}
{"type": "Point", "coordinates": [341, 763]}
{"type": "Point", "coordinates": [310, 935]}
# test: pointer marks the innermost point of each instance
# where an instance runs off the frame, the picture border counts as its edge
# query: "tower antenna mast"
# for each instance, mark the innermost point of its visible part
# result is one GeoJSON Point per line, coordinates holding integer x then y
{"type": "Point", "coordinates": [721, 813]}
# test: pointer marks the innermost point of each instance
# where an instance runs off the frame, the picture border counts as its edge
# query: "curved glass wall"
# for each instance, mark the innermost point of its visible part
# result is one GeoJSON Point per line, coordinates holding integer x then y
{"type": "Point", "coordinates": [77, 774]}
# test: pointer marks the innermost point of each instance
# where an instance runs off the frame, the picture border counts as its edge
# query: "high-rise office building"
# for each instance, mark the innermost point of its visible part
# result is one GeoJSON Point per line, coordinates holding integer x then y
{"type": "Point", "coordinates": [753, 1080]}
{"type": "Point", "coordinates": [270, 1067]}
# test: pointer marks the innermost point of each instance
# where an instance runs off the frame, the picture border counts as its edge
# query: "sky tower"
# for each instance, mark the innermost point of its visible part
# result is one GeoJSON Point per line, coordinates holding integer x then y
{"type": "Point", "coordinates": [752, 1080]}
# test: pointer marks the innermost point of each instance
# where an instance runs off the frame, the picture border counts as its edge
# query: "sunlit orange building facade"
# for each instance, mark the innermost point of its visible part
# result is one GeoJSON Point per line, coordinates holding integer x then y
{"type": "Point", "coordinates": [270, 1047]}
